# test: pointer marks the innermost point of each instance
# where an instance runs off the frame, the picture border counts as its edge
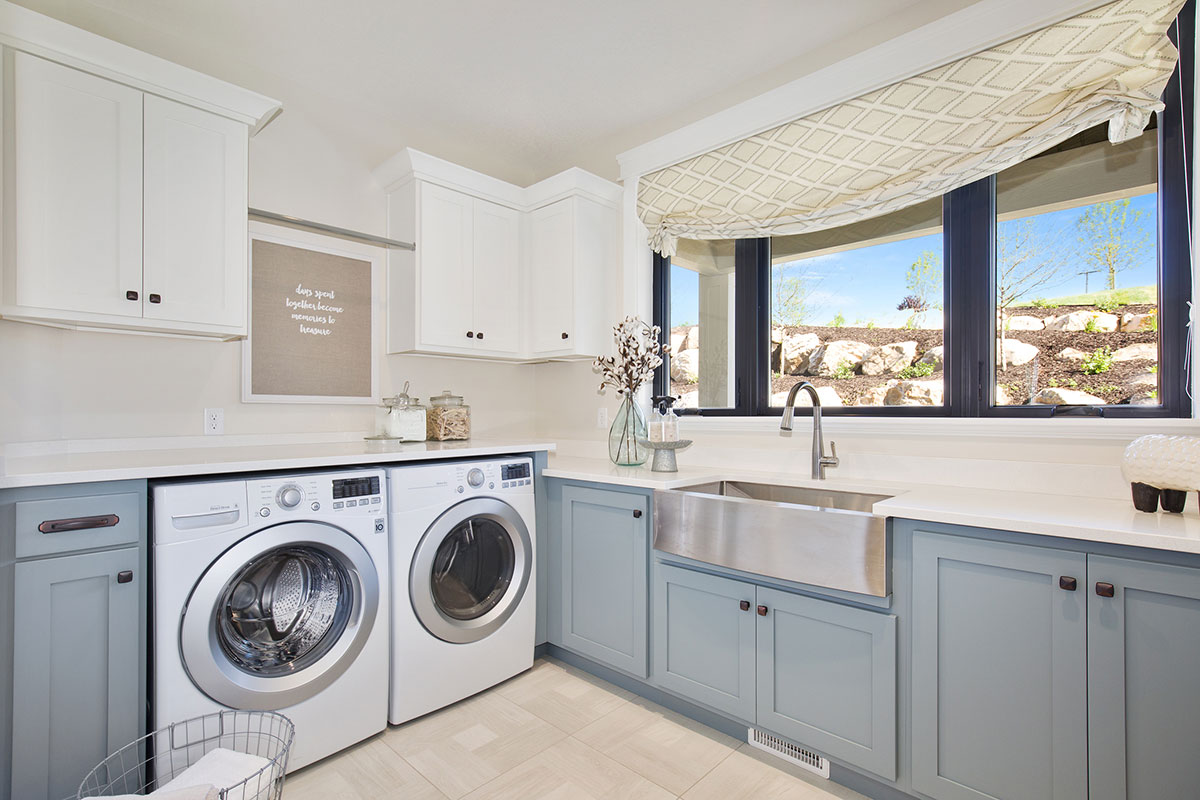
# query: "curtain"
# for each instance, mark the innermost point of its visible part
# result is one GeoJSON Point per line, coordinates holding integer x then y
{"type": "Point", "coordinates": [925, 136]}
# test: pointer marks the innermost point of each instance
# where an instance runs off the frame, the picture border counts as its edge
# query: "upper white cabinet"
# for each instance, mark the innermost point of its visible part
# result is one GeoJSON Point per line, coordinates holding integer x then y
{"type": "Point", "coordinates": [125, 186]}
{"type": "Point", "coordinates": [499, 272]}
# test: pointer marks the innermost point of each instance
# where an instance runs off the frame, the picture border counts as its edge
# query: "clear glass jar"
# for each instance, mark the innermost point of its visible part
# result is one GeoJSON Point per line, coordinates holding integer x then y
{"type": "Point", "coordinates": [449, 417]}
{"type": "Point", "coordinates": [406, 419]}
{"type": "Point", "coordinates": [383, 413]}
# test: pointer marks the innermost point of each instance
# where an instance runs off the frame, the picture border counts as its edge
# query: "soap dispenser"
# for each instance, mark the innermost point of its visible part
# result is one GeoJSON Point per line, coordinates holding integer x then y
{"type": "Point", "coordinates": [664, 423]}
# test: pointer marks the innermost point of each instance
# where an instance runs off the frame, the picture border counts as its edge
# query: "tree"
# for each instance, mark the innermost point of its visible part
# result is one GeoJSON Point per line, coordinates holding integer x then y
{"type": "Point", "coordinates": [790, 295]}
{"type": "Point", "coordinates": [1111, 237]}
{"type": "Point", "coordinates": [924, 283]}
{"type": "Point", "coordinates": [1027, 259]}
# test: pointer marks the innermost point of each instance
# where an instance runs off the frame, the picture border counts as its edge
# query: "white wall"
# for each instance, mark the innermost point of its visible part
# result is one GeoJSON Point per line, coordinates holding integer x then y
{"type": "Point", "coordinates": [62, 385]}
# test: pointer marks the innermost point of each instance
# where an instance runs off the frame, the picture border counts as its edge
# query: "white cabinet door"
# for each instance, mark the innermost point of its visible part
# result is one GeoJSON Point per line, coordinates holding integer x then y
{"type": "Point", "coordinates": [77, 143]}
{"type": "Point", "coordinates": [444, 248]}
{"type": "Point", "coordinates": [497, 273]}
{"type": "Point", "coordinates": [552, 268]}
{"type": "Point", "coordinates": [195, 216]}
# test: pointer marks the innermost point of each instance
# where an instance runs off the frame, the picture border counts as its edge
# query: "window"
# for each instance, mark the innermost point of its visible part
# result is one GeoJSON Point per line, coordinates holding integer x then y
{"type": "Point", "coordinates": [1058, 286]}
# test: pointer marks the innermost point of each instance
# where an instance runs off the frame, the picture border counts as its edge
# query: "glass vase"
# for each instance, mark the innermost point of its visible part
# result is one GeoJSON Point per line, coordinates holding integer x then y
{"type": "Point", "coordinates": [629, 425]}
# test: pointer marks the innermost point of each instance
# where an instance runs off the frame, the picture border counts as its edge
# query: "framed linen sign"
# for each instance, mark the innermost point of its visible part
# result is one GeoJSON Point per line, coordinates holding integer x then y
{"type": "Point", "coordinates": [313, 318]}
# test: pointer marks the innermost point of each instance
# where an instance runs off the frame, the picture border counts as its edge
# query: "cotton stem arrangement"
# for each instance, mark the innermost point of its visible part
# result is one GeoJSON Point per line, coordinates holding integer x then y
{"type": "Point", "coordinates": [638, 355]}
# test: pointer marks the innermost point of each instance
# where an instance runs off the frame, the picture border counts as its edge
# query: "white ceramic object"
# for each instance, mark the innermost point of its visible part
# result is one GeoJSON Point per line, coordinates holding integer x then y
{"type": "Point", "coordinates": [1164, 462]}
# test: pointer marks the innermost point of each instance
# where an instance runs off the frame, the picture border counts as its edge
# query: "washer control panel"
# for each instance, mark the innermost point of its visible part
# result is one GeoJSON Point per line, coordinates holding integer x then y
{"type": "Point", "coordinates": [491, 477]}
{"type": "Point", "coordinates": [359, 493]}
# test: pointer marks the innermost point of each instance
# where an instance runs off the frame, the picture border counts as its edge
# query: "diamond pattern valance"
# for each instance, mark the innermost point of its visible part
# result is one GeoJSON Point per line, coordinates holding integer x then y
{"type": "Point", "coordinates": [924, 136]}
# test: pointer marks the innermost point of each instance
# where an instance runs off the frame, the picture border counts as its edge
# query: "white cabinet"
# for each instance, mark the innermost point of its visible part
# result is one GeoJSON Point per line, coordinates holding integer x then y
{"type": "Point", "coordinates": [459, 293]}
{"type": "Point", "coordinates": [122, 209]}
{"type": "Point", "coordinates": [572, 269]}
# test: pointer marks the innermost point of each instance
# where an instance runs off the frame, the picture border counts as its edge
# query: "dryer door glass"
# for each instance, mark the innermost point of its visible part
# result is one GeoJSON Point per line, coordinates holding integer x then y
{"type": "Point", "coordinates": [473, 568]}
{"type": "Point", "coordinates": [284, 610]}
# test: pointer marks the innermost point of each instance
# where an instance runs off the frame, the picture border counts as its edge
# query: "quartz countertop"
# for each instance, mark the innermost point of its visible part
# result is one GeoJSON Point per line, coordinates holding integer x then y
{"type": "Point", "coordinates": [1112, 520]}
{"type": "Point", "coordinates": [170, 462]}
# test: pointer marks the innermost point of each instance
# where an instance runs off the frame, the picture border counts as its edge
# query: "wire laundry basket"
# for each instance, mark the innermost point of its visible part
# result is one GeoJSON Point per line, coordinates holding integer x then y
{"type": "Point", "coordinates": [158, 758]}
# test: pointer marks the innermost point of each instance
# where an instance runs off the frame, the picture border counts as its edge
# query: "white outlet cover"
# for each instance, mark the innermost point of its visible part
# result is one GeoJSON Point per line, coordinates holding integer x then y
{"type": "Point", "coordinates": [602, 417]}
{"type": "Point", "coordinates": [214, 421]}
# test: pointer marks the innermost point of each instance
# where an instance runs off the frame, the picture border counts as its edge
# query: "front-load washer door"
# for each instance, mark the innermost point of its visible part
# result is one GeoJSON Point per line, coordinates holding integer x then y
{"type": "Point", "coordinates": [279, 615]}
{"type": "Point", "coordinates": [470, 570]}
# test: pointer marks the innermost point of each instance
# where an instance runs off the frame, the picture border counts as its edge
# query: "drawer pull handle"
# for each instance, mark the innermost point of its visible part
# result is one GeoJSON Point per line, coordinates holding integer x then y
{"type": "Point", "coordinates": [470, 334]}
{"type": "Point", "coordinates": [637, 513]}
{"type": "Point", "coordinates": [744, 605]}
{"type": "Point", "coordinates": [565, 336]}
{"type": "Point", "coordinates": [154, 298]}
{"type": "Point", "coordinates": [1067, 583]}
{"type": "Point", "coordinates": [1105, 589]}
{"type": "Point", "coordinates": [125, 576]}
{"type": "Point", "coordinates": [78, 523]}
{"type": "Point", "coordinates": [762, 611]}
{"type": "Point", "coordinates": [131, 295]}
{"type": "Point", "coordinates": [479, 335]}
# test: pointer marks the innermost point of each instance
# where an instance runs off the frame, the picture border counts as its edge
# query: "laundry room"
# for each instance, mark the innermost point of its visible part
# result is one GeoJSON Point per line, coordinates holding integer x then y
{"type": "Point", "coordinates": [441, 401]}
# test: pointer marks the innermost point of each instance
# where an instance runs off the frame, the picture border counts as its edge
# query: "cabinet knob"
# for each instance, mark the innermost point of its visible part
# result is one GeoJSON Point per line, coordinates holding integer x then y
{"type": "Point", "coordinates": [1105, 589]}
{"type": "Point", "coordinates": [637, 513]}
{"type": "Point", "coordinates": [744, 605]}
{"type": "Point", "coordinates": [125, 576]}
{"type": "Point", "coordinates": [131, 295]}
{"type": "Point", "coordinates": [479, 335]}
{"type": "Point", "coordinates": [470, 334]}
{"type": "Point", "coordinates": [154, 298]}
{"type": "Point", "coordinates": [1067, 583]}
{"type": "Point", "coordinates": [565, 336]}
{"type": "Point", "coordinates": [762, 611]}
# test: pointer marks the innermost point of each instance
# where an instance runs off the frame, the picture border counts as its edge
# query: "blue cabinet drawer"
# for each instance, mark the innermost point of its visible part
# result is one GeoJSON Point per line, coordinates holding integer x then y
{"type": "Point", "coordinates": [66, 524]}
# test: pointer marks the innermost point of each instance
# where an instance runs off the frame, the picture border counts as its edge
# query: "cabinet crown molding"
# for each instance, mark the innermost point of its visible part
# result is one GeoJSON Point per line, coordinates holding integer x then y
{"type": "Point", "coordinates": [40, 35]}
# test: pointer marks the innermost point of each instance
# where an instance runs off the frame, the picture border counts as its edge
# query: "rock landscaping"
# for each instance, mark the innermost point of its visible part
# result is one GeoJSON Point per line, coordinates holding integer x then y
{"type": "Point", "coordinates": [1067, 355]}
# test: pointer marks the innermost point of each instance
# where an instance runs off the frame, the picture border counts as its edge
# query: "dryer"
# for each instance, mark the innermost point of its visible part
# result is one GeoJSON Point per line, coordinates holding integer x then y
{"type": "Point", "coordinates": [463, 580]}
{"type": "Point", "coordinates": [272, 594]}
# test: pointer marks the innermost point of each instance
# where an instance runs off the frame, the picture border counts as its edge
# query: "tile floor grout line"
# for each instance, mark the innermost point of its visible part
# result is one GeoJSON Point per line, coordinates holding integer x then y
{"type": "Point", "coordinates": [714, 766]}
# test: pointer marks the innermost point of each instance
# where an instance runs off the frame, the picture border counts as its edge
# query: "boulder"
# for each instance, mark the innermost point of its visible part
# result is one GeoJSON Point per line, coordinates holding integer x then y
{"type": "Point", "coordinates": [827, 359]}
{"type": "Point", "coordinates": [1002, 396]}
{"type": "Point", "coordinates": [684, 366]}
{"type": "Point", "coordinates": [1078, 321]}
{"type": "Point", "coordinates": [1147, 398]}
{"type": "Point", "coordinates": [1144, 351]}
{"type": "Point", "coordinates": [1024, 323]}
{"type": "Point", "coordinates": [889, 358]}
{"type": "Point", "coordinates": [914, 393]}
{"type": "Point", "coordinates": [1015, 353]}
{"type": "Point", "coordinates": [1053, 396]}
{"type": "Point", "coordinates": [688, 400]}
{"type": "Point", "coordinates": [796, 351]}
{"type": "Point", "coordinates": [678, 341]}
{"type": "Point", "coordinates": [1071, 354]}
{"type": "Point", "coordinates": [828, 395]}
{"type": "Point", "coordinates": [1139, 322]}
{"type": "Point", "coordinates": [935, 356]}
{"type": "Point", "coordinates": [1143, 379]}
{"type": "Point", "coordinates": [877, 395]}
{"type": "Point", "coordinates": [777, 335]}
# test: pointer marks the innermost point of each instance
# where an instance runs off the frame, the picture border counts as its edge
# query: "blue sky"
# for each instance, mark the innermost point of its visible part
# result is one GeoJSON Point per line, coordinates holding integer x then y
{"type": "Point", "coordinates": [867, 284]}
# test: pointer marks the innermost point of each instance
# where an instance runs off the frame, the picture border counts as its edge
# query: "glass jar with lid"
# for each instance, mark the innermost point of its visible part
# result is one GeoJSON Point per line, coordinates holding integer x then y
{"type": "Point", "coordinates": [406, 419]}
{"type": "Point", "coordinates": [383, 416]}
{"type": "Point", "coordinates": [449, 417]}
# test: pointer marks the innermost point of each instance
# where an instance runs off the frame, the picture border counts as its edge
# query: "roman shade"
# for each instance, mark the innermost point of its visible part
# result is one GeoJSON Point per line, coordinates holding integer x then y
{"type": "Point", "coordinates": [924, 136]}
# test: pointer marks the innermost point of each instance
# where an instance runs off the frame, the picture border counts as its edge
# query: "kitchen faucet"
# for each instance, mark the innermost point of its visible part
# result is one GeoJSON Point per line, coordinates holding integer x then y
{"type": "Point", "coordinates": [819, 460]}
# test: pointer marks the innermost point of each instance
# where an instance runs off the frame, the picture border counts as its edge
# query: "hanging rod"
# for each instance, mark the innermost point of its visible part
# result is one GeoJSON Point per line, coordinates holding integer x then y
{"type": "Point", "coordinates": [369, 238]}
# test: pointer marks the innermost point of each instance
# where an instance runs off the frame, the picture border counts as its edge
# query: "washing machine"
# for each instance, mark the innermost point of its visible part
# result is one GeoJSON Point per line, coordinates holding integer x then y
{"type": "Point", "coordinates": [272, 594]}
{"type": "Point", "coordinates": [463, 595]}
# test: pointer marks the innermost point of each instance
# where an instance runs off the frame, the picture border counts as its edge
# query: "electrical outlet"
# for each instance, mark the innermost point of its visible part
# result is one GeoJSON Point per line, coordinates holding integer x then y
{"type": "Point", "coordinates": [214, 421]}
{"type": "Point", "coordinates": [602, 417]}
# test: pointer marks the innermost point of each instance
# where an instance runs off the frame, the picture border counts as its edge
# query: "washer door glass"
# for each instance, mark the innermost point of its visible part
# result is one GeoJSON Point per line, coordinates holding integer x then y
{"type": "Point", "coordinates": [284, 610]}
{"type": "Point", "coordinates": [470, 570]}
{"type": "Point", "coordinates": [473, 568]}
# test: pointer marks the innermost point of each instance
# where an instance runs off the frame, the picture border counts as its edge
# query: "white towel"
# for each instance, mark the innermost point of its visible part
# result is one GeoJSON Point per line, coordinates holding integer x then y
{"type": "Point", "coordinates": [206, 792]}
{"type": "Point", "coordinates": [220, 768]}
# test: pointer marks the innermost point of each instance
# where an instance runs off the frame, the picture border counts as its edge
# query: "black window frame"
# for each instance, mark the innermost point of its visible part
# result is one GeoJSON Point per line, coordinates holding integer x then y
{"type": "Point", "coordinates": [968, 218]}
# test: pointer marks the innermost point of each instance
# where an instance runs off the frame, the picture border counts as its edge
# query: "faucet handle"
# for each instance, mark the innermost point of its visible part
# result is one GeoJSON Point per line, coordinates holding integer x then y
{"type": "Point", "coordinates": [832, 460]}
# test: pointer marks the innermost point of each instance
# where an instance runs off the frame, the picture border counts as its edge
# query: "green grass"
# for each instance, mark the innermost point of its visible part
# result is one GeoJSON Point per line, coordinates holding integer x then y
{"type": "Point", "coordinates": [1134, 294]}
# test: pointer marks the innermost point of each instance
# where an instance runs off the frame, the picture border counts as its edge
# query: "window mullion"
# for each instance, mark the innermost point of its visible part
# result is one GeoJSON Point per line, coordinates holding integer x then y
{"type": "Point", "coordinates": [969, 216]}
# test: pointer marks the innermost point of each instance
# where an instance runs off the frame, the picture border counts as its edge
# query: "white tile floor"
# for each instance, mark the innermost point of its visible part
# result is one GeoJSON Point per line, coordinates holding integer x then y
{"type": "Point", "coordinates": [556, 733]}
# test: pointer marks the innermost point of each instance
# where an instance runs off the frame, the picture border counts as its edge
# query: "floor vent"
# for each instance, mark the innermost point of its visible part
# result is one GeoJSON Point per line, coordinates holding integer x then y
{"type": "Point", "coordinates": [788, 751]}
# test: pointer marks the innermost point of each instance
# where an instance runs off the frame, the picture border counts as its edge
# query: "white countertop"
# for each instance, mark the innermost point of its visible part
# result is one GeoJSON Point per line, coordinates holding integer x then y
{"type": "Point", "coordinates": [87, 467]}
{"type": "Point", "coordinates": [1109, 520]}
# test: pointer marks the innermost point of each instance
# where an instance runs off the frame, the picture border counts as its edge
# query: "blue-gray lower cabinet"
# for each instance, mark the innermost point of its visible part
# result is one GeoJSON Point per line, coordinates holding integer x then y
{"type": "Point", "coordinates": [704, 639]}
{"type": "Point", "coordinates": [827, 678]}
{"type": "Point", "coordinates": [999, 670]}
{"type": "Point", "coordinates": [75, 669]}
{"type": "Point", "coordinates": [1143, 680]}
{"type": "Point", "coordinates": [605, 541]}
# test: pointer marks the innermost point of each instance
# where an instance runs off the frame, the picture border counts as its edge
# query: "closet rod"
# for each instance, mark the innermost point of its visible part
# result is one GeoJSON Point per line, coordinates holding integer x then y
{"type": "Point", "coordinates": [321, 227]}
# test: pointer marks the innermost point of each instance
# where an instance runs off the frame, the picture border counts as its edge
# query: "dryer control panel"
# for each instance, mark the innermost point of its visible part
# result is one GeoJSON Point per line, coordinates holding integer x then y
{"type": "Point", "coordinates": [335, 494]}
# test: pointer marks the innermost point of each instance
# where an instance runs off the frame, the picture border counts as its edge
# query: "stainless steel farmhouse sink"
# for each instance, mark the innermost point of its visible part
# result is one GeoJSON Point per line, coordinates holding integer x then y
{"type": "Point", "coordinates": [816, 536]}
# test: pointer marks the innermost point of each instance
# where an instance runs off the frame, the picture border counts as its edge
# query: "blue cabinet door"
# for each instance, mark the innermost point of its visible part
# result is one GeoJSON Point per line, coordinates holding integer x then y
{"type": "Point", "coordinates": [604, 550]}
{"type": "Point", "coordinates": [999, 659]}
{"type": "Point", "coordinates": [1143, 680]}
{"type": "Point", "coordinates": [827, 678]}
{"type": "Point", "coordinates": [703, 635]}
{"type": "Point", "coordinates": [75, 668]}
